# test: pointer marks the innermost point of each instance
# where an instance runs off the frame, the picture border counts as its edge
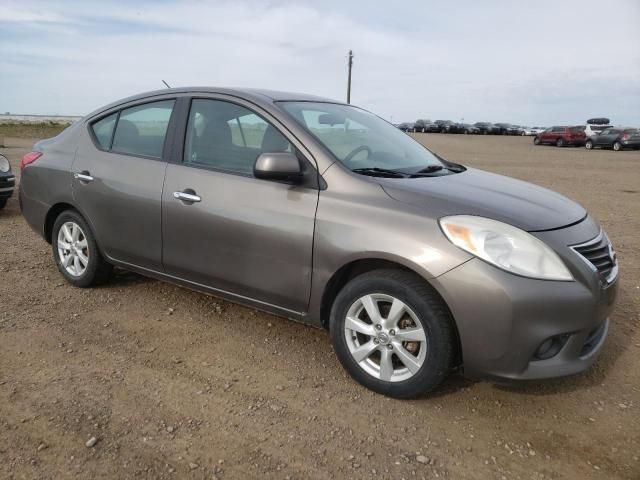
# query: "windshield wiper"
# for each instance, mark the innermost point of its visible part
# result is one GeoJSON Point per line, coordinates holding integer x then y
{"type": "Point", "coordinates": [428, 170]}
{"type": "Point", "coordinates": [381, 172]}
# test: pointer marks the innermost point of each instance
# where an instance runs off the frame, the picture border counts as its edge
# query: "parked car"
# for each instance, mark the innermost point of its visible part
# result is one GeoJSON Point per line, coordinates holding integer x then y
{"type": "Point", "coordinates": [422, 126]}
{"type": "Point", "coordinates": [468, 129]}
{"type": "Point", "coordinates": [431, 127]}
{"type": "Point", "coordinates": [537, 130]}
{"type": "Point", "coordinates": [506, 128]}
{"type": "Point", "coordinates": [561, 136]}
{"type": "Point", "coordinates": [615, 138]}
{"type": "Point", "coordinates": [323, 212]}
{"type": "Point", "coordinates": [407, 126]}
{"type": "Point", "coordinates": [596, 125]}
{"type": "Point", "coordinates": [445, 126]}
{"type": "Point", "coordinates": [7, 181]}
{"type": "Point", "coordinates": [526, 131]}
{"type": "Point", "coordinates": [486, 128]}
{"type": "Point", "coordinates": [591, 130]}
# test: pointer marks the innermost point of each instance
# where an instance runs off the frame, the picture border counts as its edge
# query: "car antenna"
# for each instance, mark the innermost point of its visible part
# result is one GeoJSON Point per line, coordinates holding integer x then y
{"type": "Point", "coordinates": [166, 84]}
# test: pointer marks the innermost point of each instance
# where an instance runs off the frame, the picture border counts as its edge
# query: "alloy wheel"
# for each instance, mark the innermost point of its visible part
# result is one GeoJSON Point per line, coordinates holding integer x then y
{"type": "Point", "coordinates": [73, 249]}
{"type": "Point", "coordinates": [385, 337]}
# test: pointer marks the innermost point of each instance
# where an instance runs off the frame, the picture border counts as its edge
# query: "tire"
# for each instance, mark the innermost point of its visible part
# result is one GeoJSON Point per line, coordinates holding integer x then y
{"type": "Point", "coordinates": [588, 145]}
{"type": "Point", "coordinates": [617, 146]}
{"type": "Point", "coordinates": [560, 142]}
{"type": "Point", "coordinates": [3, 203]}
{"type": "Point", "coordinates": [536, 141]}
{"type": "Point", "coordinates": [91, 271]}
{"type": "Point", "coordinates": [430, 357]}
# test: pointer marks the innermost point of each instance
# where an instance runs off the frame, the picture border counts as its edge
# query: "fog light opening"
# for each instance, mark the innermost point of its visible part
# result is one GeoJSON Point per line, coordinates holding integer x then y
{"type": "Point", "coordinates": [551, 347]}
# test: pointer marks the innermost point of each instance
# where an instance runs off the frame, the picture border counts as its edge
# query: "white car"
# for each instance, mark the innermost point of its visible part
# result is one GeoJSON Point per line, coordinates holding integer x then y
{"type": "Point", "coordinates": [592, 130]}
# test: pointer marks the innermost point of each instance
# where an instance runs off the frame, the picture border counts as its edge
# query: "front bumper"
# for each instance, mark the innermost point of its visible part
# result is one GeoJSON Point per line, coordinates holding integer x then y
{"type": "Point", "coordinates": [7, 184]}
{"type": "Point", "coordinates": [503, 319]}
{"type": "Point", "coordinates": [630, 143]}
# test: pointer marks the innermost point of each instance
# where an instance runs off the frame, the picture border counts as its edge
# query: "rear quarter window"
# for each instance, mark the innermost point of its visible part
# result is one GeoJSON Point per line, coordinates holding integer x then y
{"type": "Point", "coordinates": [103, 130]}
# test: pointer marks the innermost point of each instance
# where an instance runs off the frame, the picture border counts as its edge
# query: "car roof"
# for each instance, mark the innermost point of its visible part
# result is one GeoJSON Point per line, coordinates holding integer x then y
{"type": "Point", "coordinates": [245, 93]}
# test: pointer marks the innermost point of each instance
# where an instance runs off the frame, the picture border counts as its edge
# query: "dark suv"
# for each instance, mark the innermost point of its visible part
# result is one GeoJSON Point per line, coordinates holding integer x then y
{"type": "Point", "coordinates": [445, 126]}
{"type": "Point", "coordinates": [561, 136]}
{"type": "Point", "coordinates": [487, 128]}
{"type": "Point", "coordinates": [616, 138]}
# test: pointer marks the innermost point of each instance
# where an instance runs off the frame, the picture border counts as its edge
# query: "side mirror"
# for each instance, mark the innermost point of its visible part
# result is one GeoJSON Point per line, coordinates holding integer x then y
{"type": "Point", "coordinates": [284, 167]}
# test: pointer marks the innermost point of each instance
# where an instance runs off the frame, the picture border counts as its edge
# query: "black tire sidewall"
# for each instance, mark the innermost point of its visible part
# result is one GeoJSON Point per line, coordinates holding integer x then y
{"type": "Point", "coordinates": [435, 323]}
{"type": "Point", "coordinates": [89, 276]}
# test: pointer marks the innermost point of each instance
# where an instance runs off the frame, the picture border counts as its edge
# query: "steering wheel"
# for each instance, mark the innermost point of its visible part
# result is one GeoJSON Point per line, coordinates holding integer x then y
{"type": "Point", "coordinates": [356, 151]}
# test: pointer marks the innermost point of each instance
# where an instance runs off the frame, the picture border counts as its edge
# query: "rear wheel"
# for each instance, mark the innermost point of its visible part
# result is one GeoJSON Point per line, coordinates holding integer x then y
{"type": "Point", "coordinates": [617, 146]}
{"type": "Point", "coordinates": [588, 145]}
{"type": "Point", "coordinates": [393, 333]}
{"type": "Point", "coordinates": [560, 142]}
{"type": "Point", "coordinates": [76, 253]}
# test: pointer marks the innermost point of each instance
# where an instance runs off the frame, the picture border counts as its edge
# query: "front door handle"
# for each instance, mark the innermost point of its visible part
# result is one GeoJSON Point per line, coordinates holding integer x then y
{"type": "Point", "coordinates": [188, 196]}
{"type": "Point", "coordinates": [83, 176]}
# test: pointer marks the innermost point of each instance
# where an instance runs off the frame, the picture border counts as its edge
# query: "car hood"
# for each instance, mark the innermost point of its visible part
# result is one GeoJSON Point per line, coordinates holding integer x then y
{"type": "Point", "coordinates": [475, 192]}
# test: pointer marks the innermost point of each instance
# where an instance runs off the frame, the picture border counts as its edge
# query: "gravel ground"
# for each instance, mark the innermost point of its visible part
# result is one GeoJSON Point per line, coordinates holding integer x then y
{"type": "Point", "coordinates": [142, 379]}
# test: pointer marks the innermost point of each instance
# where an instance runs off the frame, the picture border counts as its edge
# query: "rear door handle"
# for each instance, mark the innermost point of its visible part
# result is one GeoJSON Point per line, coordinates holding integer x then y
{"type": "Point", "coordinates": [83, 176]}
{"type": "Point", "coordinates": [187, 196]}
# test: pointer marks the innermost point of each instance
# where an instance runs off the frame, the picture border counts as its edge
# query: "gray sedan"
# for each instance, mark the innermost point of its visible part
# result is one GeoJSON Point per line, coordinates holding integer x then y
{"type": "Point", "coordinates": [324, 213]}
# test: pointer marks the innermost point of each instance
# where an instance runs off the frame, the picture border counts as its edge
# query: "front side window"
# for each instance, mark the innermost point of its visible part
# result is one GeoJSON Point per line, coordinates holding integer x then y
{"type": "Point", "coordinates": [142, 129]}
{"type": "Point", "coordinates": [361, 140]}
{"type": "Point", "coordinates": [103, 130]}
{"type": "Point", "coordinates": [229, 137]}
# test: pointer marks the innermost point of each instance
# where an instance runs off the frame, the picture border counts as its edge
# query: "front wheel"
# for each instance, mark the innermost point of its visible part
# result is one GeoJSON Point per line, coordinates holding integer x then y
{"type": "Point", "coordinates": [617, 146]}
{"type": "Point", "coordinates": [76, 252]}
{"type": "Point", "coordinates": [536, 141]}
{"type": "Point", "coordinates": [393, 333]}
{"type": "Point", "coordinates": [588, 145]}
{"type": "Point", "coordinates": [560, 142]}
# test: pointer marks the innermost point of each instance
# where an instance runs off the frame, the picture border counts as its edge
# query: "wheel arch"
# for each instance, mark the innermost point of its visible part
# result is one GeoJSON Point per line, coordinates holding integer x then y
{"type": "Point", "coordinates": [50, 218]}
{"type": "Point", "coordinates": [54, 212]}
{"type": "Point", "coordinates": [359, 266]}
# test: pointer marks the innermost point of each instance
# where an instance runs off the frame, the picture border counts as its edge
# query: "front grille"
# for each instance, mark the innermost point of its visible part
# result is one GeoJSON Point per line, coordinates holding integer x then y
{"type": "Point", "coordinates": [599, 253]}
{"type": "Point", "coordinates": [6, 182]}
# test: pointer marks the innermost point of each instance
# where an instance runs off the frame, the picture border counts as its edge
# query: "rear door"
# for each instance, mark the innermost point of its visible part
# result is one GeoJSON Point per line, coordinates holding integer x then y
{"type": "Point", "coordinates": [241, 235]}
{"type": "Point", "coordinates": [609, 136]}
{"type": "Point", "coordinates": [118, 175]}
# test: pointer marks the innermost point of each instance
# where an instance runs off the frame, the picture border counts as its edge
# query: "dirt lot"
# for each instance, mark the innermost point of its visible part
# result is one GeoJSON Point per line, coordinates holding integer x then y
{"type": "Point", "coordinates": [175, 384]}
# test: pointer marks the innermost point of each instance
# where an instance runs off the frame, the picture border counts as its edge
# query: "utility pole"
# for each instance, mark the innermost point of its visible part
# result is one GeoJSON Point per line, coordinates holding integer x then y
{"type": "Point", "coordinates": [349, 78]}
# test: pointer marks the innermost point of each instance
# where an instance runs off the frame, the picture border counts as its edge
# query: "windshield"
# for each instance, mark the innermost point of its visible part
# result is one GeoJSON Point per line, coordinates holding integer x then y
{"type": "Point", "coordinates": [361, 140]}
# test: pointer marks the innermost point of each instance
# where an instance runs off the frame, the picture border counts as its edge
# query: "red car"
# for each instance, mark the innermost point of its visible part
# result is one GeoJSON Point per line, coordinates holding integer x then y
{"type": "Point", "coordinates": [562, 136]}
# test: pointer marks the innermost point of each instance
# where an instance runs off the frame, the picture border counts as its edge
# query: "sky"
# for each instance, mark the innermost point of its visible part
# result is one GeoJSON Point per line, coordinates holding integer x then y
{"type": "Point", "coordinates": [532, 63]}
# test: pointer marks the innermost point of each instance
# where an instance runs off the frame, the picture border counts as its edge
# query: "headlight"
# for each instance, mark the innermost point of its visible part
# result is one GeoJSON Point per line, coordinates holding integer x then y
{"type": "Point", "coordinates": [505, 246]}
{"type": "Point", "coordinates": [4, 164]}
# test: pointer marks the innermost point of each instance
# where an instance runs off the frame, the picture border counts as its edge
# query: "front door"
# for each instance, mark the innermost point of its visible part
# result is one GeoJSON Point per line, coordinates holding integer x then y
{"type": "Point", "coordinates": [244, 236]}
{"type": "Point", "coordinates": [118, 176]}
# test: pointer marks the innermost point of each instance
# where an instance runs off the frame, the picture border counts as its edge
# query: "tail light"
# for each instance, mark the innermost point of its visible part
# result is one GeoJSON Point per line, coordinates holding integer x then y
{"type": "Point", "coordinates": [626, 136]}
{"type": "Point", "coordinates": [29, 158]}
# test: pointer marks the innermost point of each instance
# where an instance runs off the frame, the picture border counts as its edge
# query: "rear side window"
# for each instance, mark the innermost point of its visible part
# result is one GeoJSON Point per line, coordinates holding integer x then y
{"type": "Point", "coordinates": [577, 129]}
{"type": "Point", "coordinates": [103, 130]}
{"type": "Point", "coordinates": [142, 129]}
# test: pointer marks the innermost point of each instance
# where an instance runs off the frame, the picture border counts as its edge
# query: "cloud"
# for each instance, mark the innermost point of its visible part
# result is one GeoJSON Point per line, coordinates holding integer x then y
{"type": "Point", "coordinates": [497, 61]}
